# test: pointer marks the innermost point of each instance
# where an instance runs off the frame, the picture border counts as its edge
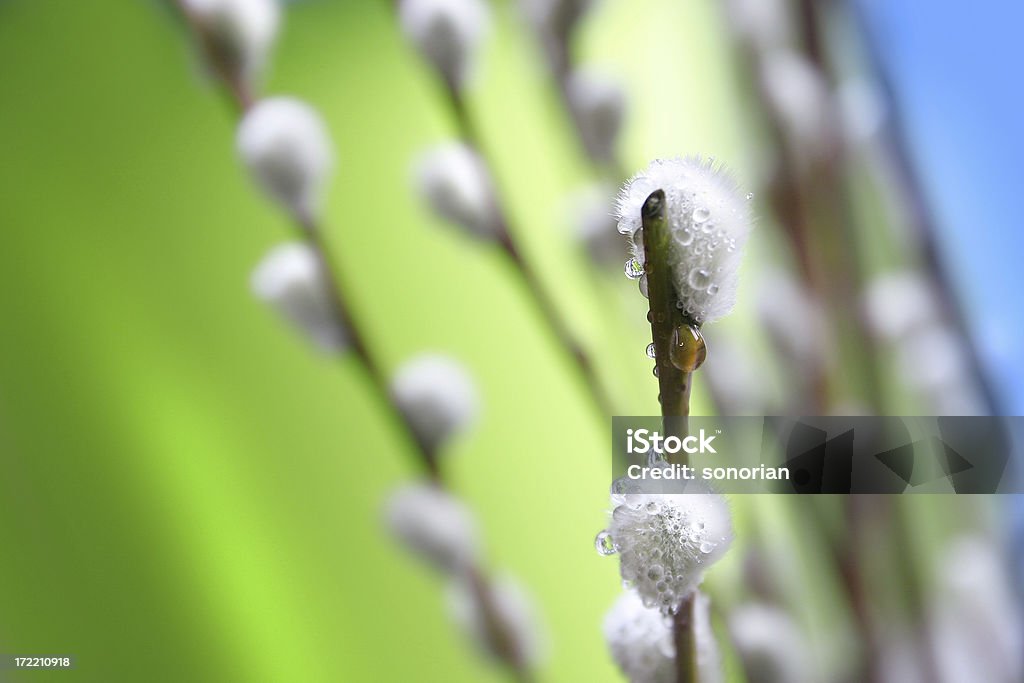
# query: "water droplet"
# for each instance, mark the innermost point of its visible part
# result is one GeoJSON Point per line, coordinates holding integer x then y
{"type": "Point", "coordinates": [706, 547]}
{"type": "Point", "coordinates": [750, 195]}
{"type": "Point", "coordinates": [712, 289]}
{"type": "Point", "coordinates": [684, 237]}
{"type": "Point", "coordinates": [688, 349]}
{"type": "Point", "coordinates": [634, 269]}
{"type": "Point", "coordinates": [655, 371]}
{"type": "Point", "coordinates": [700, 214]}
{"type": "Point", "coordinates": [699, 278]}
{"type": "Point", "coordinates": [604, 543]}
{"type": "Point", "coordinates": [643, 287]}
{"type": "Point", "coordinates": [650, 350]}
{"type": "Point", "coordinates": [654, 572]}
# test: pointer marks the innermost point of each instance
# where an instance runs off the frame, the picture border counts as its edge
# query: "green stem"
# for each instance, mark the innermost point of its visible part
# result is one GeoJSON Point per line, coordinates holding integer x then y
{"type": "Point", "coordinates": [666, 318]}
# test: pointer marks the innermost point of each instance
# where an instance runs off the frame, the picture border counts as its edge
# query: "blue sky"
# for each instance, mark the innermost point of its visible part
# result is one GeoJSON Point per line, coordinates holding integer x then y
{"type": "Point", "coordinates": [956, 68]}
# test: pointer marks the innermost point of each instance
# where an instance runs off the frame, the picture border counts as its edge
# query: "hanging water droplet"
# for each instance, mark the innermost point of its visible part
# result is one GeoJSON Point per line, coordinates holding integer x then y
{"type": "Point", "coordinates": [604, 544]}
{"type": "Point", "coordinates": [699, 278]}
{"type": "Point", "coordinates": [706, 547]}
{"type": "Point", "coordinates": [655, 572]}
{"type": "Point", "coordinates": [643, 287]}
{"type": "Point", "coordinates": [750, 195]}
{"type": "Point", "coordinates": [688, 350]}
{"type": "Point", "coordinates": [650, 350]}
{"type": "Point", "coordinates": [700, 214]}
{"type": "Point", "coordinates": [655, 371]}
{"type": "Point", "coordinates": [634, 269]}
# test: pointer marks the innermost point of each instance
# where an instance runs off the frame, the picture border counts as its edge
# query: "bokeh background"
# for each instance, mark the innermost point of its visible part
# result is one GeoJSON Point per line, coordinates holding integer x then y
{"type": "Point", "coordinates": [188, 492]}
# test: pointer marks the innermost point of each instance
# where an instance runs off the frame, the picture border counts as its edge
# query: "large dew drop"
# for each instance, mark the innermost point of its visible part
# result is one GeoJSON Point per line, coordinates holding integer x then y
{"type": "Point", "coordinates": [688, 350]}
{"type": "Point", "coordinates": [650, 350]}
{"type": "Point", "coordinates": [634, 269]}
{"type": "Point", "coordinates": [604, 544]}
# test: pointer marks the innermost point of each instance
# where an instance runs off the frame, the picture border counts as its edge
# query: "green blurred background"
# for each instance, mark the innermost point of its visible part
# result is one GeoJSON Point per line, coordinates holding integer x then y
{"type": "Point", "coordinates": [187, 491]}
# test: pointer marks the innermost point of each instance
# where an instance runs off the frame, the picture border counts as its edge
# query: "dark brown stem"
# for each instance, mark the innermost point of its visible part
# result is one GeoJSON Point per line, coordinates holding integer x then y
{"type": "Point", "coordinates": [506, 648]}
{"type": "Point", "coordinates": [241, 98]}
{"type": "Point", "coordinates": [829, 195]}
{"type": "Point", "coordinates": [549, 311]}
{"type": "Point", "coordinates": [684, 637]}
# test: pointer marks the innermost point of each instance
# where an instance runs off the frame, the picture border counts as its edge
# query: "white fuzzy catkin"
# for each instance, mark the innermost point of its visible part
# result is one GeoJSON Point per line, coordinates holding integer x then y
{"type": "Point", "coordinates": [640, 640]}
{"type": "Point", "coordinates": [239, 32]}
{"type": "Point", "coordinates": [761, 24]}
{"type": "Point", "coordinates": [976, 615]}
{"type": "Point", "coordinates": [862, 110]}
{"type": "Point", "coordinates": [770, 644]}
{"type": "Point", "coordinates": [291, 279]}
{"type": "Point", "coordinates": [512, 629]}
{"type": "Point", "coordinates": [437, 396]}
{"type": "Point", "coordinates": [447, 33]}
{"type": "Point", "coordinates": [792, 317]}
{"type": "Point", "coordinates": [932, 360]}
{"type": "Point", "coordinates": [709, 658]}
{"type": "Point", "coordinates": [433, 525]}
{"type": "Point", "coordinates": [598, 104]}
{"type": "Point", "coordinates": [666, 541]}
{"type": "Point", "coordinates": [800, 97]}
{"type": "Point", "coordinates": [736, 378]}
{"type": "Point", "coordinates": [642, 644]}
{"type": "Point", "coordinates": [709, 221]}
{"type": "Point", "coordinates": [285, 145]}
{"type": "Point", "coordinates": [589, 211]}
{"type": "Point", "coordinates": [898, 303]}
{"type": "Point", "coordinates": [454, 182]}
{"type": "Point", "coordinates": [556, 16]}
